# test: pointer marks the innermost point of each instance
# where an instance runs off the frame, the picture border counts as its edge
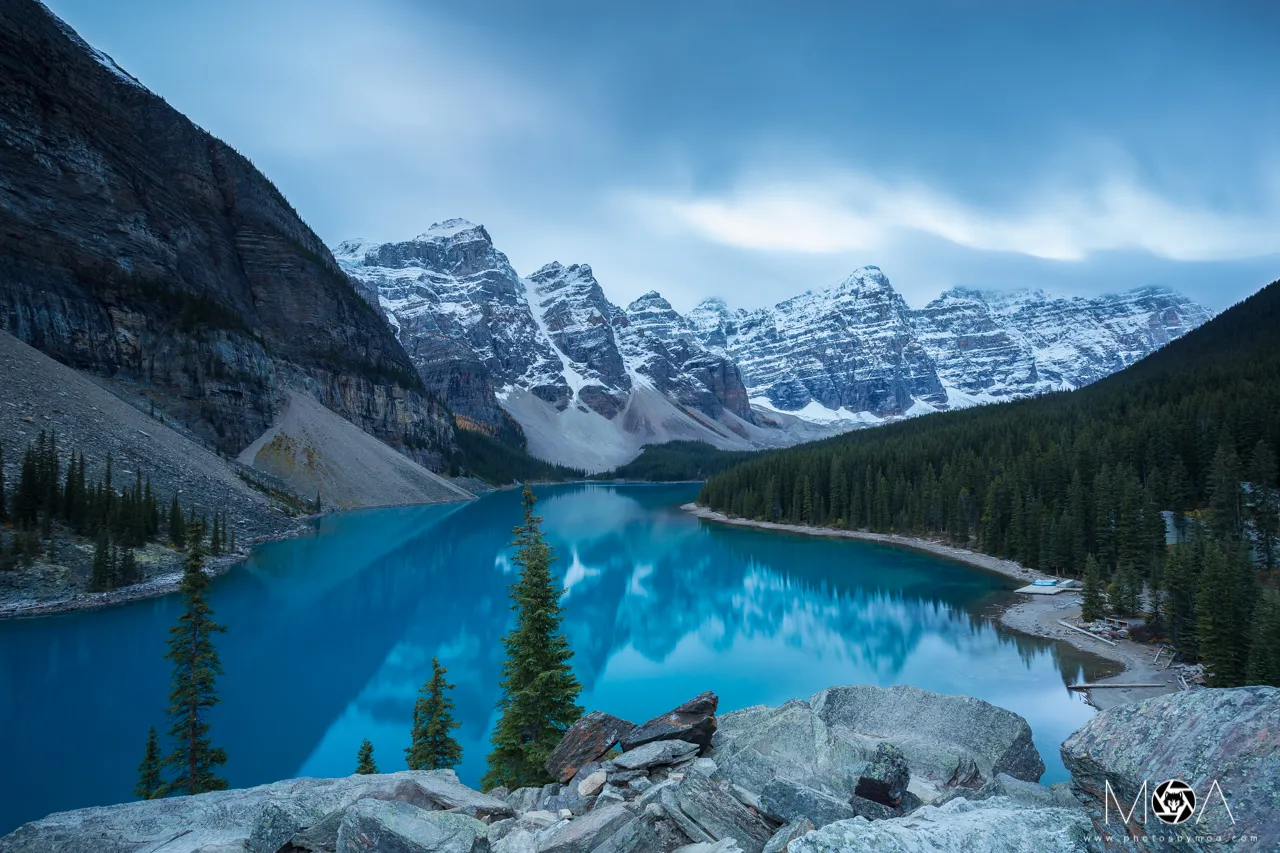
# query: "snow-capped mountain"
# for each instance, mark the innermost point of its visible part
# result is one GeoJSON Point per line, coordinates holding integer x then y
{"type": "Point", "coordinates": [590, 382]}
{"type": "Point", "coordinates": [856, 353]}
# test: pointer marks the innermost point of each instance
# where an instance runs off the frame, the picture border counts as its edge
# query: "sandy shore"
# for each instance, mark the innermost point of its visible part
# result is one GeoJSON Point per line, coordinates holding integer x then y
{"type": "Point", "coordinates": [1037, 614]}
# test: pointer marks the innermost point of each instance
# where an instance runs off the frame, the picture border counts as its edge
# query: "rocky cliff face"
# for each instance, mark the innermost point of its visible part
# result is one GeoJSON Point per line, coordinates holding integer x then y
{"type": "Point", "coordinates": [999, 346]}
{"type": "Point", "coordinates": [139, 247]}
{"type": "Point", "coordinates": [850, 348]}
{"type": "Point", "coordinates": [856, 351]}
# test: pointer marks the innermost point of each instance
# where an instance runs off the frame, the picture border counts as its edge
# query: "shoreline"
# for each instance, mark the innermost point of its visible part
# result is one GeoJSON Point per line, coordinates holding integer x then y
{"type": "Point", "coordinates": [153, 587]}
{"type": "Point", "coordinates": [1038, 615]}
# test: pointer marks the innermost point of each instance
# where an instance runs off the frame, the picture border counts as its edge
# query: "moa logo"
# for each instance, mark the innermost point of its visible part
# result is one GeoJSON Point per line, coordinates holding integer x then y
{"type": "Point", "coordinates": [1173, 801]}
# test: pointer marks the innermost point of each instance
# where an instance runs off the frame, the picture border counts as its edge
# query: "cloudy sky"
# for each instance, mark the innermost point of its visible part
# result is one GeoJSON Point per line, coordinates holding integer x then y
{"type": "Point", "coordinates": [753, 150]}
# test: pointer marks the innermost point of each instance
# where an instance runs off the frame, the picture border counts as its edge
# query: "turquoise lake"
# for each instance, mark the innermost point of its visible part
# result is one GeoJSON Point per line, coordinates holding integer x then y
{"type": "Point", "coordinates": [331, 635]}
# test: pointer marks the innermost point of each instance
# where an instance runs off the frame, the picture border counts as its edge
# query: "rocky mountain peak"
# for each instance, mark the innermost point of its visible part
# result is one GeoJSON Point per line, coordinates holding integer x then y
{"type": "Point", "coordinates": [455, 229]}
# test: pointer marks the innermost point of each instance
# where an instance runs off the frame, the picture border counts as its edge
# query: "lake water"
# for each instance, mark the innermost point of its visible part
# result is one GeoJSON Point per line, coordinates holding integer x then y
{"type": "Point", "coordinates": [330, 636]}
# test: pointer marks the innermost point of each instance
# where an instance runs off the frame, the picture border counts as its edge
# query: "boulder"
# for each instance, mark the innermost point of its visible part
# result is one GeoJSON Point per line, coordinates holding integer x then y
{"type": "Point", "coordinates": [787, 802]}
{"type": "Point", "coordinates": [584, 834]}
{"type": "Point", "coordinates": [781, 841]}
{"type": "Point", "coordinates": [394, 827]}
{"type": "Point", "coordinates": [655, 753]}
{"type": "Point", "coordinates": [694, 721]}
{"type": "Point", "coordinates": [523, 800]}
{"type": "Point", "coordinates": [992, 826]}
{"type": "Point", "coordinates": [825, 742]}
{"type": "Point", "coordinates": [1025, 793]}
{"type": "Point", "coordinates": [872, 810]}
{"type": "Point", "coordinates": [884, 780]}
{"type": "Point", "coordinates": [651, 831]}
{"type": "Point", "coordinates": [590, 737]}
{"type": "Point", "coordinates": [706, 812]}
{"type": "Point", "coordinates": [591, 785]}
{"type": "Point", "coordinates": [966, 775]}
{"type": "Point", "coordinates": [728, 845]}
{"type": "Point", "coordinates": [1222, 743]}
{"type": "Point", "coordinates": [245, 818]}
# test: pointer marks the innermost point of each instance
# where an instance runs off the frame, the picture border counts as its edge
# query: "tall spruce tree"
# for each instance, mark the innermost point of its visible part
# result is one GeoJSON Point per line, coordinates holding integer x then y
{"type": "Point", "coordinates": [150, 783]}
{"type": "Point", "coordinates": [365, 765]}
{"type": "Point", "coordinates": [1226, 596]}
{"type": "Point", "coordinates": [195, 669]}
{"type": "Point", "coordinates": [177, 528]}
{"type": "Point", "coordinates": [431, 746]}
{"type": "Point", "coordinates": [539, 689]}
{"type": "Point", "coordinates": [1264, 650]}
{"type": "Point", "coordinates": [1093, 604]}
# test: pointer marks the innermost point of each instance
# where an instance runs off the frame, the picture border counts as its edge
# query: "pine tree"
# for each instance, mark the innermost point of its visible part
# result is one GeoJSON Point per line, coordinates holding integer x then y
{"type": "Point", "coordinates": [150, 784]}
{"type": "Point", "coordinates": [539, 690]}
{"type": "Point", "coordinates": [215, 537]}
{"type": "Point", "coordinates": [1264, 650]}
{"type": "Point", "coordinates": [365, 765]}
{"type": "Point", "coordinates": [4, 512]}
{"type": "Point", "coordinates": [177, 529]}
{"type": "Point", "coordinates": [195, 668]}
{"type": "Point", "coordinates": [431, 746]}
{"type": "Point", "coordinates": [1093, 605]}
{"type": "Point", "coordinates": [102, 575]}
{"type": "Point", "coordinates": [1264, 510]}
{"type": "Point", "coordinates": [1224, 610]}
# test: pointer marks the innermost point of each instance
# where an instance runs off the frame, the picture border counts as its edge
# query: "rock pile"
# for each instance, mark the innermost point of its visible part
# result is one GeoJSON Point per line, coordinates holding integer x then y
{"type": "Point", "coordinates": [851, 769]}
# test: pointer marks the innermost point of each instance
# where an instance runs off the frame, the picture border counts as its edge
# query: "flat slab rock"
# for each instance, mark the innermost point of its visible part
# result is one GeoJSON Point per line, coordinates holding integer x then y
{"type": "Point", "coordinates": [694, 721]}
{"type": "Point", "coordinates": [655, 754]}
{"type": "Point", "coordinates": [585, 741]}
{"type": "Point", "coordinates": [827, 741]}
{"type": "Point", "coordinates": [251, 819]}
{"type": "Point", "coordinates": [391, 827]}
{"type": "Point", "coordinates": [996, 825]}
{"type": "Point", "coordinates": [1231, 737]}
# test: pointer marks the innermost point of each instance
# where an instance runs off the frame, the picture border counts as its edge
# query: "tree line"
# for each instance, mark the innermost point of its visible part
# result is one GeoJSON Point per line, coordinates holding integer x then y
{"type": "Point", "coordinates": [51, 496]}
{"type": "Point", "coordinates": [538, 703]}
{"type": "Point", "coordinates": [1091, 483]}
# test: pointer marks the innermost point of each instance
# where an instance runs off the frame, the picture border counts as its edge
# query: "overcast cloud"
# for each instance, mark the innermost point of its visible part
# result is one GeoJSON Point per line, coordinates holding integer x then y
{"type": "Point", "coordinates": [755, 150]}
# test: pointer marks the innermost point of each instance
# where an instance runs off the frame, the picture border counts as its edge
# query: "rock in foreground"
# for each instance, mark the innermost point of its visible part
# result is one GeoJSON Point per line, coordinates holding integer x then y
{"type": "Point", "coordinates": [269, 818]}
{"type": "Point", "coordinates": [827, 742]}
{"type": "Point", "coordinates": [1228, 737]}
{"type": "Point", "coordinates": [991, 826]}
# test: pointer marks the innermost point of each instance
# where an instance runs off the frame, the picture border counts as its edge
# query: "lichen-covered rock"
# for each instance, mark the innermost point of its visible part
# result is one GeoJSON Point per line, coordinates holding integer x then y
{"type": "Point", "coordinates": [655, 753]}
{"type": "Point", "coordinates": [825, 742]}
{"type": "Point", "coordinates": [706, 812]}
{"type": "Point", "coordinates": [781, 841]}
{"type": "Point", "coordinates": [992, 826]}
{"type": "Point", "coordinates": [1228, 737]}
{"type": "Point", "coordinates": [885, 778]}
{"type": "Point", "coordinates": [787, 802]}
{"type": "Point", "coordinates": [585, 741]}
{"type": "Point", "coordinates": [392, 827]}
{"type": "Point", "coordinates": [584, 834]}
{"type": "Point", "coordinates": [694, 721]}
{"type": "Point", "coordinates": [244, 818]}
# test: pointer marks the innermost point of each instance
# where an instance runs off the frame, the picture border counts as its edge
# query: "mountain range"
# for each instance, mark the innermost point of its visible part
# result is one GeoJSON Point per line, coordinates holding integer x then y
{"type": "Point", "coordinates": [590, 382]}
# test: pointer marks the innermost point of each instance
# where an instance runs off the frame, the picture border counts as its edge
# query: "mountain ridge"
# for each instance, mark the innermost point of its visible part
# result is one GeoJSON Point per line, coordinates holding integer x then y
{"type": "Point", "coordinates": [551, 352]}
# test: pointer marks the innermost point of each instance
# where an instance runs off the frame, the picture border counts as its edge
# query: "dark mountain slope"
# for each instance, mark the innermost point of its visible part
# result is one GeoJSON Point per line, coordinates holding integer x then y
{"type": "Point", "coordinates": [135, 245]}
